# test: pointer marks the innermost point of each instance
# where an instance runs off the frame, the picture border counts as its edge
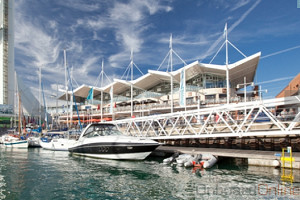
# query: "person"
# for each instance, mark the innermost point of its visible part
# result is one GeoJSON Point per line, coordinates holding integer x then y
{"type": "Point", "coordinates": [279, 117]}
{"type": "Point", "coordinates": [291, 114]}
{"type": "Point", "coordinates": [283, 114]}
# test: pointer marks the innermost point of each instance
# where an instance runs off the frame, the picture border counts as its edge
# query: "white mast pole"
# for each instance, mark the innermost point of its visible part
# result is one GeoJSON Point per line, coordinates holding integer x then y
{"type": "Point", "coordinates": [40, 95]}
{"type": "Point", "coordinates": [102, 71]}
{"type": "Point", "coordinates": [171, 62]}
{"type": "Point", "coordinates": [66, 86]}
{"type": "Point", "coordinates": [227, 70]}
{"type": "Point", "coordinates": [131, 86]}
{"type": "Point", "coordinates": [15, 101]}
{"type": "Point", "coordinates": [72, 103]}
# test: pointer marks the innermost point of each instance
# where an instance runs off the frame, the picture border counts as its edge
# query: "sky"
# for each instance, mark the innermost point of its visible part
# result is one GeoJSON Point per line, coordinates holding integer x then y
{"type": "Point", "coordinates": [94, 30]}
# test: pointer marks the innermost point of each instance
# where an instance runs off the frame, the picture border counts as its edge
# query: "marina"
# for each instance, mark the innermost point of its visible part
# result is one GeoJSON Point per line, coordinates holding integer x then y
{"type": "Point", "coordinates": [199, 111]}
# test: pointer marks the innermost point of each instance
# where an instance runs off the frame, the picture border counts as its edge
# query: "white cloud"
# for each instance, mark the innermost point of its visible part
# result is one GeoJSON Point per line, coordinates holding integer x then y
{"type": "Point", "coordinates": [81, 5]}
{"type": "Point", "coordinates": [35, 43]}
{"type": "Point", "coordinates": [213, 47]}
{"type": "Point", "coordinates": [239, 4]}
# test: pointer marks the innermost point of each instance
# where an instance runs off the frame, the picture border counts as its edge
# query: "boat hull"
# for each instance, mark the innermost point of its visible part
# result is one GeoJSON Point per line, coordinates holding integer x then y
{"type": "Point", "coordinates": [116, 151]}
{"type": "Point", "coordinates": [57, 144]}
{"type": "Point", "coordinates": [34, 142]}
{"type": "Point", "coordinates": [17, 144]}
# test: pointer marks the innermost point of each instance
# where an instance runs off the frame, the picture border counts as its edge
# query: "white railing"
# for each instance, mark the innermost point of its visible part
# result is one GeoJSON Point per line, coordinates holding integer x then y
{"type": "Point", "coordinates": [258, 118]}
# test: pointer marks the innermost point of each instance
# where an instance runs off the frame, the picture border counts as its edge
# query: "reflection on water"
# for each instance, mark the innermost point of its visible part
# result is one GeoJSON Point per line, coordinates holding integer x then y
{"type": "Point", "coordinates": [42, 174]}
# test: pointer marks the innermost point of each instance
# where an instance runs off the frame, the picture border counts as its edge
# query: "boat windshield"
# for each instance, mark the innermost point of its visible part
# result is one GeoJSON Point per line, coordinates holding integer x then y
{"type": "Point", "coordinates": [102, 130]}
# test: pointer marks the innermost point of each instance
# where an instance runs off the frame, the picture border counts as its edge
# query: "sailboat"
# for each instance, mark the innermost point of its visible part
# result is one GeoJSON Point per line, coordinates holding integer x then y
{"type": "Point", "coordinates": [14, 141]}
{"type": "Point", "coordinates": [58, 143]}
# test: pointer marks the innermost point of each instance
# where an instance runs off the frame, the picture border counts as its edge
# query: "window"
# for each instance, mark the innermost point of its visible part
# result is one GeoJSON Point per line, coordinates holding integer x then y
{"type": "Point", "coordinates": [97, 130]}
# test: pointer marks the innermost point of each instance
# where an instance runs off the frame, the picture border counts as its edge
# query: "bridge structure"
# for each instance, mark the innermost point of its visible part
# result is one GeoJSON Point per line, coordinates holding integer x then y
{"type": "Point", "coordinates": [272, 117]}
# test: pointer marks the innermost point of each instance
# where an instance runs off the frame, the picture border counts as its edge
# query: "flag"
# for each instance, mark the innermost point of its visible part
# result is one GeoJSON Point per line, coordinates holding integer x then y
{"type": "Point", "coordinates": [182, 88]}
{"type": "Point", "coordinates": [90, 96]}
{"type": "Point", "coordinates": [225, 31]}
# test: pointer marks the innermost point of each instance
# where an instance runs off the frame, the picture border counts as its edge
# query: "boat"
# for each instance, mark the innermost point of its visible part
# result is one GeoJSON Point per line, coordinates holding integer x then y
{"type": "Point", "coordinates": [104, 140]}
{"type": "Point", "coordinates": [34, 142]}
{"type": "Point", "coordinates": [56, 141]}
{"type": "Point", "coordinates": [14, 142]}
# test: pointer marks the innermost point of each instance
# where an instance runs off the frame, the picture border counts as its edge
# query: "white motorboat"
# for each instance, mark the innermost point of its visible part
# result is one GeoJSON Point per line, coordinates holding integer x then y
{"type": "Point", "coordinates": [104, 140]}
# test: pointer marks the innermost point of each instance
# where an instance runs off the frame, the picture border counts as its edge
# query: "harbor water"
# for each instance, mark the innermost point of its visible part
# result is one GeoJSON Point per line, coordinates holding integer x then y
{"type": "Point", "coordinates": [43, 174]}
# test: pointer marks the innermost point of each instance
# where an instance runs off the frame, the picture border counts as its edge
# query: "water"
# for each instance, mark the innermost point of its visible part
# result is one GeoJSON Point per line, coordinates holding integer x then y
{"type": "Point", "coordinates": [42, 174]}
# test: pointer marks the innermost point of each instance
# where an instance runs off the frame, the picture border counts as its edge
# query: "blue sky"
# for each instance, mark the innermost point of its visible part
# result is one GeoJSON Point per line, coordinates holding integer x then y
{"type": "Point", "coordinates": [107, 29]}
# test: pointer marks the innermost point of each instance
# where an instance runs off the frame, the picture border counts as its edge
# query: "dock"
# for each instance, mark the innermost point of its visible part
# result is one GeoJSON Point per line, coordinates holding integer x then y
{"type": "Point", "coordinates": [253, 157]}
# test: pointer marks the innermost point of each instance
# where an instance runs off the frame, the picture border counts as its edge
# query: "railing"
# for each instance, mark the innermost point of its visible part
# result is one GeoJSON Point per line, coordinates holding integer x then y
{"type": "Point", "coordinates": [257, 118]}
{"type": "Point", "coordinates": [155, 106]}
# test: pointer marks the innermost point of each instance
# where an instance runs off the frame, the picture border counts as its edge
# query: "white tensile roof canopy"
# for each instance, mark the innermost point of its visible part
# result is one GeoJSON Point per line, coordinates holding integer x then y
{"type": "Point", "coordinates": [237, 71]}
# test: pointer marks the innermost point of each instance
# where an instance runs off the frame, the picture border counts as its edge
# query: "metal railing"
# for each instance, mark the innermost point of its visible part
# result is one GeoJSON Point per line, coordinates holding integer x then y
{"type": "Point", "coordinates": [257, 118]}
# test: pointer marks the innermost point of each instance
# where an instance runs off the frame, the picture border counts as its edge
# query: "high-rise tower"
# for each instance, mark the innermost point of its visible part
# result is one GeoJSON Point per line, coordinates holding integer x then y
{"type": "Point", "coordinates": [7, 52]}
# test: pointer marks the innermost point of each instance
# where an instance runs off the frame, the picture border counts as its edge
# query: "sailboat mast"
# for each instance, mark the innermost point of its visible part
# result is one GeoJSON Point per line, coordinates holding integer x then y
{"type": "Point", "coordinates": [66, 86]}
{"type": "Point", "coordinates": [15, 101]}
{"type": "Point", "coordinates": [19, 124]}
{"type": "Point", "coordinates": [40, 95]}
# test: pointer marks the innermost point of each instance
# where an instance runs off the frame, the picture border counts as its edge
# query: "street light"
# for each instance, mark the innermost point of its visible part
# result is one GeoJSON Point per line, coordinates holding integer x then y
{"type": "Point", "coordinates": [245, 84]}
{"type": "Point", "coordinates": [245, 87]}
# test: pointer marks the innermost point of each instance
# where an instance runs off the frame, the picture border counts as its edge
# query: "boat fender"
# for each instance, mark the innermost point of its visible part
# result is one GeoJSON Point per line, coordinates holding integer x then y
{"type": "Point", "coordinates": [171, 159]}
{"type": "Point", "coordinates": [183, 158]}
{"type": "Point", "coordinates": [195, 158]}
{"type": "Point", "coordinates": [209, 163]}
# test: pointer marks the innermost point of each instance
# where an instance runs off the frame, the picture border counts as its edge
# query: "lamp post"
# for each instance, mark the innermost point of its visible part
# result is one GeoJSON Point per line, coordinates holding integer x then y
{"type": "Point", "coordinates": [260, 91]}
{"type": "Point", "coordinates": [199, 102]}
{"type": "Point", "coordinates": [245, 84]}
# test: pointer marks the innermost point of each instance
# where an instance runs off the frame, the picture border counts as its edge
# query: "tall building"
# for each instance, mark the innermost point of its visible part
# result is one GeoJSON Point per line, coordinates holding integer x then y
{"type": "Point", "coordinates": [7, 52]}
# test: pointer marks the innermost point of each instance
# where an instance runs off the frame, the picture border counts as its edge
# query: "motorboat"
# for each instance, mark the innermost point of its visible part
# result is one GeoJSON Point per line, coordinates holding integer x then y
{"type": "Point", "coordinates": [104, 140]}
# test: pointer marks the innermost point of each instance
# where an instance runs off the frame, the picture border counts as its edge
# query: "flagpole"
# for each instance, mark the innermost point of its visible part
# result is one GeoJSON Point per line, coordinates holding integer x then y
{"type": "Point", "coordinates": [227, 70]}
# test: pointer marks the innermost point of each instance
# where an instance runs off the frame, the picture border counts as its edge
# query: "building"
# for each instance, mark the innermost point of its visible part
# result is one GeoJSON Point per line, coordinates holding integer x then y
{"type": "Point", "coordinates": [7, 52]}
{"type": "Point", "coordinates": [292, 89]}
{"type": "Point", "coordinates": [190, 87]}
